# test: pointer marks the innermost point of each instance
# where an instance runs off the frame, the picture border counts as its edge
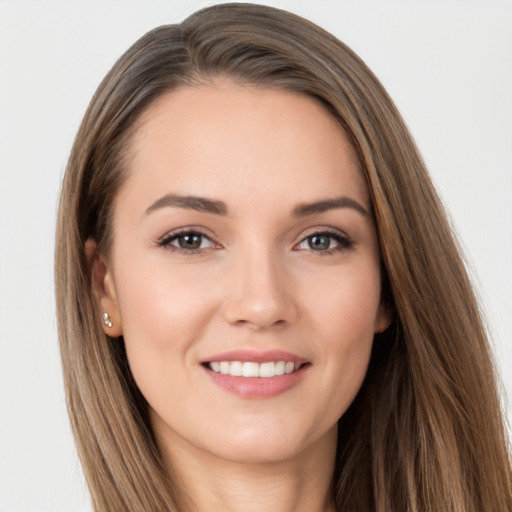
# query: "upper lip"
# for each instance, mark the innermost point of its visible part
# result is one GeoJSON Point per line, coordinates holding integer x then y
{"type": "Point", "coordinates": [256, 356]}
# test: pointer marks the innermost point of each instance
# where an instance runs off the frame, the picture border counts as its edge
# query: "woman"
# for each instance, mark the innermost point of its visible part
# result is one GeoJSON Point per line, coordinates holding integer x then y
{"type": "Point", "coordinates": [260, 299]}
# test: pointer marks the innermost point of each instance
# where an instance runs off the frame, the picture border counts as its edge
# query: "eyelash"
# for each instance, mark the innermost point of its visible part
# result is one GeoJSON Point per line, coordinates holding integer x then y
{"type": "Point", "coordinates": [344, 242]}
{"type": "Point", "coordinates": [166, 240]}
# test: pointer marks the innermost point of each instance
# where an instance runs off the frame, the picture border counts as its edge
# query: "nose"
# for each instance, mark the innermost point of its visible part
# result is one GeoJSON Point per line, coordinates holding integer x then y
{"type": "Point", "coordinates": [261, 293]}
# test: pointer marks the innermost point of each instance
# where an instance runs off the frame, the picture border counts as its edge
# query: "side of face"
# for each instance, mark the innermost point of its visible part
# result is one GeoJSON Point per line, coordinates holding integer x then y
{"type": "Point", "coordinates": [243, 234]}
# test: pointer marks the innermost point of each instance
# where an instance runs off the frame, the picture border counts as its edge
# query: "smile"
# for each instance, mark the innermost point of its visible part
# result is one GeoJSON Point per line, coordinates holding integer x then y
{"type": "Point", "coordinates": [256, 374]}
{"type": "Point", "coordinates": [253, 369]}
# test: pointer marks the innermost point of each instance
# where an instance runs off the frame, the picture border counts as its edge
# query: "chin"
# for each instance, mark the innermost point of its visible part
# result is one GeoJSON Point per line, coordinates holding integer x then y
{"type": "Point", "coordinates": [258, 452]}
{"type": "Point", "coordinates": [264, 445]}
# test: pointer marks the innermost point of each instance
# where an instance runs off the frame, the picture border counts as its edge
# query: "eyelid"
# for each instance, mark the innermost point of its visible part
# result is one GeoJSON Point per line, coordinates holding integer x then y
{"type": "Point", "coordinates": [344, 241]}
{"type": "Point", "coordinates": [165, 240]}
{"type": "Point", "coordinates": [323, 230]}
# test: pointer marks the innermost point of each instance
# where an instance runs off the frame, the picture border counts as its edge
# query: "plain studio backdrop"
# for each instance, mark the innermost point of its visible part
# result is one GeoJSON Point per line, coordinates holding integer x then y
{"type": "Point", "coordinates": [447, 65]}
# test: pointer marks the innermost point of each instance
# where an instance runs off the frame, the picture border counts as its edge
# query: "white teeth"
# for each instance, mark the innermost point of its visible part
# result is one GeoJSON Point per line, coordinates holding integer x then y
{"type": "Point", "coordinates": [250, 369]}
{"type": "Point", "coordinates": [267, 369]}
{"type": "Point", "coordinates": [236, 368]}
{"type": "Point", "coordinates": [224, 367]}
{"type": "Point", "coordinates": [280, 368]}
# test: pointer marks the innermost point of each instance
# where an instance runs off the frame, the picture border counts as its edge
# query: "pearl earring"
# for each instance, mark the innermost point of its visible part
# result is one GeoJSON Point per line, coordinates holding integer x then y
{"type": "Point", "coordinates": [106, 320]}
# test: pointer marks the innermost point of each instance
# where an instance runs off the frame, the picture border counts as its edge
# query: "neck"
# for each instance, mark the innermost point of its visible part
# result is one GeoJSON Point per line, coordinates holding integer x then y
{"type": "Point", "coordinates": [300, 484]}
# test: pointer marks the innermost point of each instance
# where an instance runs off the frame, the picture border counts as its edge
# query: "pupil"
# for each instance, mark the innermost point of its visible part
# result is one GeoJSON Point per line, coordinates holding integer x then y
{"type": "Point", "coordinates": [319, 242]}
{"type": "Point", "coordinates": [190, 241]}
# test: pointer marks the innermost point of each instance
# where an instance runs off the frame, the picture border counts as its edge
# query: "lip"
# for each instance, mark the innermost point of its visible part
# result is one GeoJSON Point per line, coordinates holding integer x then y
{"type": "Point", "coordinates": [255, 387]}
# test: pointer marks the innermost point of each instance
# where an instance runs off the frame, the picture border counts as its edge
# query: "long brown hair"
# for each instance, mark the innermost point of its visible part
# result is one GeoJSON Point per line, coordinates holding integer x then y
{"type": "Point", "coordinates": [425, 432]}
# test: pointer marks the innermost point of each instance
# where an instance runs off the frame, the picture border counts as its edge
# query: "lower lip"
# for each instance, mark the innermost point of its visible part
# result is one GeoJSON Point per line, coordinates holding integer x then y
{"type": "Point", "coordinates": [257, 387]}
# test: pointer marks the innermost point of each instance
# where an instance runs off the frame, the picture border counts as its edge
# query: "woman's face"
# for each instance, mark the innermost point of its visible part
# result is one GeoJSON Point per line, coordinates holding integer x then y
{"type": "Point", "coordinates": [243, 244]}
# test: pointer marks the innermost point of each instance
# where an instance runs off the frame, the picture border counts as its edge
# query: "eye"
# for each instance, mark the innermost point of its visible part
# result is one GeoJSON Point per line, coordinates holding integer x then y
{"type": "Point", "coordinates": [186, 241]}
{"type": "Point", "coordinates": [319, 242]}
{"type": "Point", "coordinates": [326, 242]}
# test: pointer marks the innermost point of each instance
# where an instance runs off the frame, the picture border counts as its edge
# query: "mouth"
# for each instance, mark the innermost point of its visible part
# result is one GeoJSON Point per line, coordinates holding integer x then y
{"type": "Point", "coordinates": [253, 374]}
{"type": "Point", "coordinates": [253, 369]}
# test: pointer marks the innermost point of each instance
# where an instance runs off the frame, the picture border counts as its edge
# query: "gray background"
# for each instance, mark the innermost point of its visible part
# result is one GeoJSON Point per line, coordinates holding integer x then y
{"type": "Point", "coordinates": [448, 65]}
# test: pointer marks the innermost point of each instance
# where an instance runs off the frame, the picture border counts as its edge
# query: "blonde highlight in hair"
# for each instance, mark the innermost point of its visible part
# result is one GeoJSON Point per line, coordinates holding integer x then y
{"type": "Point", "coordinates": [425, 432]}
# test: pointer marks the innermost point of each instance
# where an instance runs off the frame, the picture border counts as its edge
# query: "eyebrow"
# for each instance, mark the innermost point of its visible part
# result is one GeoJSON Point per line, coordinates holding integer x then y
{"type": "Point", "coordinates": [201, 204]}
{"type": "Point", "coordinates": [205, 205]}
{"type": "Point", "coordinates": [303, 210]}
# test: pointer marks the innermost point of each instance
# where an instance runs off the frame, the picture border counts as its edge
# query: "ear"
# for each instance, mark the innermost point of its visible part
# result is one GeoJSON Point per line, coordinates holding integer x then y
{"type": "Point", "coordinates": [383, 318]}
{"type": "Point", "coordinates": [104, 290]}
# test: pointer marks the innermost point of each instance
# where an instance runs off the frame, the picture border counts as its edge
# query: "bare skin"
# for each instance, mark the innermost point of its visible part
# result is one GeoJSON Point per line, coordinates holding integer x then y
{"type": "Point", "coordinates": [243, 237]}
{"type": "Point", "coordinates": [299, 485]}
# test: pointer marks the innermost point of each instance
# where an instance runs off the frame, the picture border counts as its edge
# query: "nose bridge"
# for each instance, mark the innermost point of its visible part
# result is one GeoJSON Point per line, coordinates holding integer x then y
{"type": "Point", "coordinates": [261, 289]}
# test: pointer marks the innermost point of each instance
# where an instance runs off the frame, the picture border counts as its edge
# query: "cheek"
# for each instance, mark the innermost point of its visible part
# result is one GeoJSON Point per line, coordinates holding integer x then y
{"type": "Point", "coordinates": [163, 313]}
{"type": "Point", "coordinates": [345, 303]}
{"type": "Point", "coordinates": [158, 302]}
{"type": "Point", "coordinates": [343, 313]}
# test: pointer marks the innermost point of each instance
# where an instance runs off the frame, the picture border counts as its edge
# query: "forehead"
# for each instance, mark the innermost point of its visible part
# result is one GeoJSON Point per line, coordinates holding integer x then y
{"type": "Point", "coordinates": [224, 139]}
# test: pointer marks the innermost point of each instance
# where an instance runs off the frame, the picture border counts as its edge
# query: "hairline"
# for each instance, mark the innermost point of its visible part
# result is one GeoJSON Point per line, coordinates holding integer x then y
{"type": "Point", "coordinates": [198, 79]}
